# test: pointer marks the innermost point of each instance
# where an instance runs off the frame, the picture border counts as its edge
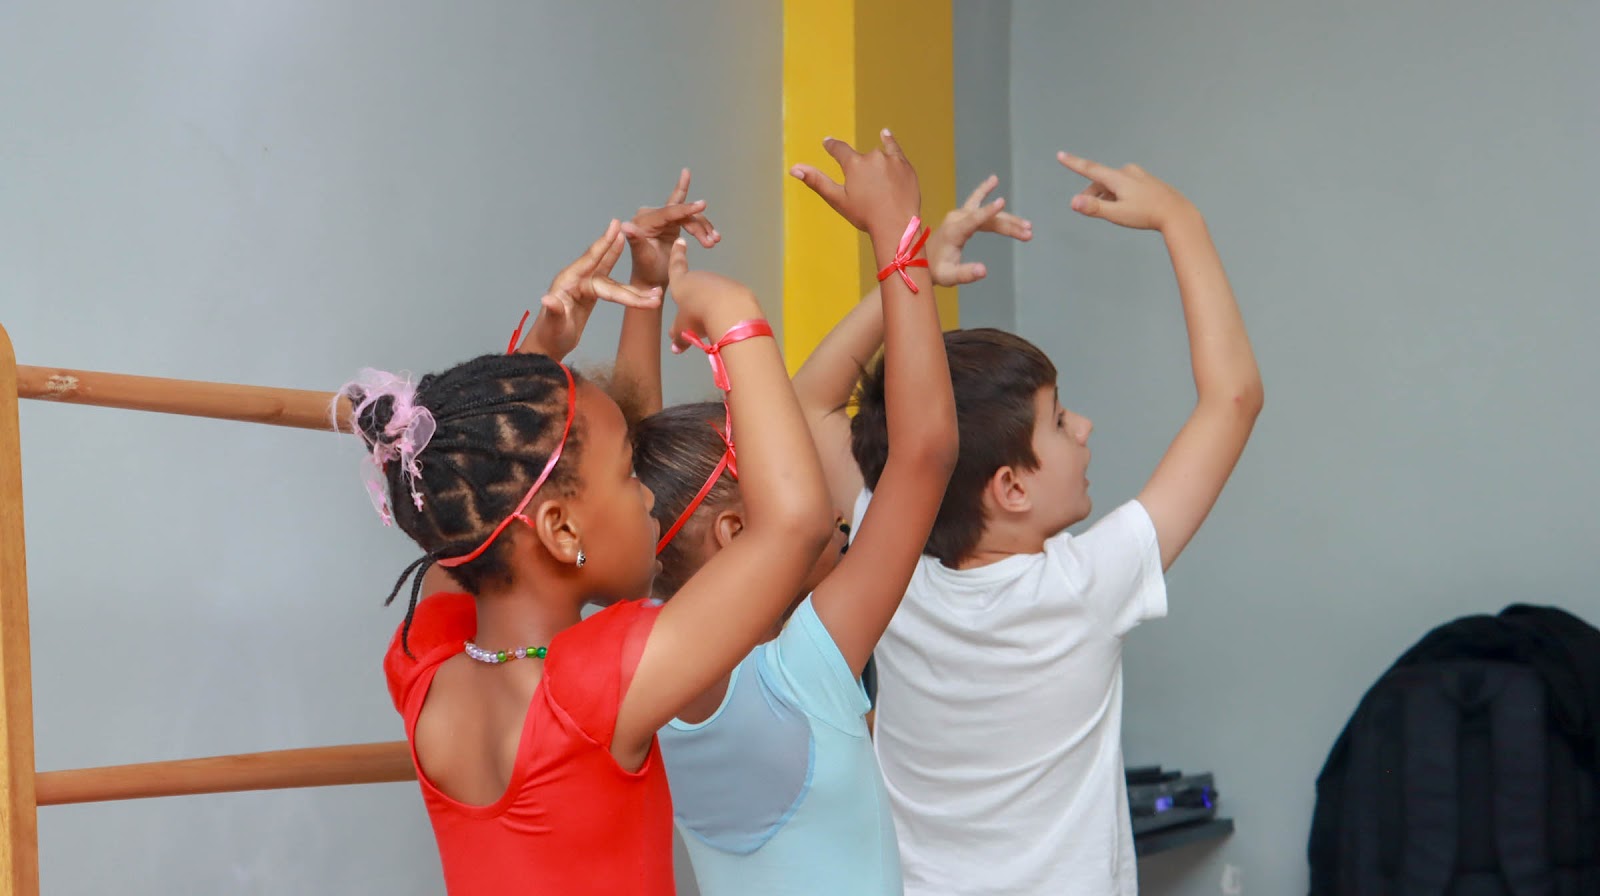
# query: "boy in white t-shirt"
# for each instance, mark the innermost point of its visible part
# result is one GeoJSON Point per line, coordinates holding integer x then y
{"type": "Point", "coordinates": [1000, 678]}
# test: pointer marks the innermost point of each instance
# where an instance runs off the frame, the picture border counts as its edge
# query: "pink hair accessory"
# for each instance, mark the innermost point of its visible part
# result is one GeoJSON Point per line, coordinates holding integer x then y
{"type": "Point", "coordinates": [407, 433]}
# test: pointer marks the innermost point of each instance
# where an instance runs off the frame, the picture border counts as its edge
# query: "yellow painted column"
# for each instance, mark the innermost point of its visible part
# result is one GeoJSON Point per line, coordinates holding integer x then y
{"type": "Point", "coordinates": [850, 69]}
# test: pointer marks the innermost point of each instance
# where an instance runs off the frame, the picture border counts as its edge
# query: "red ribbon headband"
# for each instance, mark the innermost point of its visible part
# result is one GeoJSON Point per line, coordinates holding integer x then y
{"type": "Point", "coordinates": [516, 335]}
{"type": "Point", "coordinates": [719, 374]}
{"type": "Point", "coordinates": [906, 255]}
{"type": "Point", "coordinates": [572, 409]}
{"type": "Point", "coordinates": [729, 461]}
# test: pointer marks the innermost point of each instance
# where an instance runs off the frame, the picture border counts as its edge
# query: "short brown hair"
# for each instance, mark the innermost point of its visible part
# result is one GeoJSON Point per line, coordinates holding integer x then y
{"type": "Point", "coordinates": [995, 376]}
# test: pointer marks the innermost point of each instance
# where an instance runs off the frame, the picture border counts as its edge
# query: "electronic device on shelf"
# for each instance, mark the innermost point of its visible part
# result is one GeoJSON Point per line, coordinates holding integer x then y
{"type": "Point", "coordinates": [1161, 799]}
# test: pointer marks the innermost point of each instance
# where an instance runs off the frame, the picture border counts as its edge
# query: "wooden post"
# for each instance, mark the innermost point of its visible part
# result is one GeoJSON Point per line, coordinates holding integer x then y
{"type": "Point", "coordinates": [19, 830]}
{"type": "Point", "coordinates": [851, 68]}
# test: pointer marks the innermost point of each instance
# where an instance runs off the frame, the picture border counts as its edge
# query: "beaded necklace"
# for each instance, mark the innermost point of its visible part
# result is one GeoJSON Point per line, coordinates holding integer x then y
{"type": "Point", "coordinates": [495, 658]}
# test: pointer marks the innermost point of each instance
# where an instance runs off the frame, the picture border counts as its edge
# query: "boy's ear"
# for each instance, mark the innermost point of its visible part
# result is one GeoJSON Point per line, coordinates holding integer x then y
{"type": "Point", "coordinates": [726, 526]}
{"type": "Point", "coordinates": [1007, 493]}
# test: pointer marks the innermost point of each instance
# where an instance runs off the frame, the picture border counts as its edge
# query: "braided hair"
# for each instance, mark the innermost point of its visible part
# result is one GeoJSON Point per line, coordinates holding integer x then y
{"type": "Point", "coordinates": [498, 418]}
{"type": "Point", "coordinates": [674, 452]}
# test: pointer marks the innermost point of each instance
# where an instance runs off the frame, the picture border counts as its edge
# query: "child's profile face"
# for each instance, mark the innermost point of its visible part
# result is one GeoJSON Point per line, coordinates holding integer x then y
{"type": "Point", "coordinates": [1059, 486]}
{"type": "Point", "coordinates": [618, 533]}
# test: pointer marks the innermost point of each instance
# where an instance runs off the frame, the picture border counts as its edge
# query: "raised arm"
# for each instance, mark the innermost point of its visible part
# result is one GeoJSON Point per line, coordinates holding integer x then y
{"type": "Point", "coordinates": [1228, 388]}
{"type": "Point", "coordinates": [823, 385]}
{"type": "Point", "coordinates": [726, 607]}
{"type": "Point", "coordinates": [650, 235]}
{"type": "Point", "coordinates": [563, 314]}
{"type": "Point", "coordinates": [855, 602]}
{"type": "Point", "coordinates": [826, 380]}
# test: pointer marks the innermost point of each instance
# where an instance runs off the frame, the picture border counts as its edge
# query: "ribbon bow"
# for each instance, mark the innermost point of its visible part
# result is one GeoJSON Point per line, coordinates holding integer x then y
{"type": "Point", "coordinates": [726, 435]}
{"type": "Point", "coordinates": [737, 333]}
{"type": "Point", "coordinates": [719, 373]}
{"type": "Point", "coordinates": [906, 255]}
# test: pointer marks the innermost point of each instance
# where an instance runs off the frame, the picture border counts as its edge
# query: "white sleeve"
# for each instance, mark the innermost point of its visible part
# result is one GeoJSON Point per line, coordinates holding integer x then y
{"type": "Point", "coordinates": [1120, 559]}
{"type": "Point", "coordinates": [860, 512]}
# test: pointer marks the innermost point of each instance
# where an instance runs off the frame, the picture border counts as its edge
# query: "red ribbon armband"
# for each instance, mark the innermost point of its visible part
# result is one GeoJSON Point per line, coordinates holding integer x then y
{"type": "Point", "coordinates": [906, 255]}
{"type": "Point", "coordinates": [739, 332]}
{"type": "Point", "coordinates": [729, 462]}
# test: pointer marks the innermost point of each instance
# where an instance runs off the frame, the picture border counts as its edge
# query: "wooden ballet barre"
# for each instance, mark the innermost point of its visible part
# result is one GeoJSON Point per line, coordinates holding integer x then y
{"type": "Point", "coordinates": [276, 770]}
{"type": "Point", "coordinates": [301, 408]}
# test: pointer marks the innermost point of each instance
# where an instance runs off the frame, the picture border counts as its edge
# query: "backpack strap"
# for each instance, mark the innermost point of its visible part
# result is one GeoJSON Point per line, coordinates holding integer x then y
{"type": "Point", "coordinates": [1518, 749]}
{"type": "Point", "coordinates": [1431, 724]}
{"type": "Point", "coordinates": [1574, 830]}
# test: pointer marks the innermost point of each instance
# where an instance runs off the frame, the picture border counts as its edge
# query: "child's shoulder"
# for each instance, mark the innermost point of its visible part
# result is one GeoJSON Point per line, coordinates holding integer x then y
{"type": "Point", "coordinates": [1113, 567]}
{"type": "Point", "coordinates": [616, 633]}
{"type": "Point", "coordinates": [591, 664]}
{"type": "Point", "coordinates": [613, 621]}
{"type": "Point", "coordinates": [440, 627]}
{"type": "Point", "coordinates": [1126, 527]}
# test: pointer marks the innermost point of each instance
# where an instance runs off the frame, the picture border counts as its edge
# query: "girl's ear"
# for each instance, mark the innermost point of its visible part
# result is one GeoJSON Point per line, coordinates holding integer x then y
{"type": "Point", "coordinates": [558, 531]}
{"type": "Point", "coordinates": [726, 526]}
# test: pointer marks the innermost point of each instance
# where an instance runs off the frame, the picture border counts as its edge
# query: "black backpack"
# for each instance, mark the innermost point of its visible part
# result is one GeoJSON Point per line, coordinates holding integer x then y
{"type": "Point", "coordinates": [1470, 768]}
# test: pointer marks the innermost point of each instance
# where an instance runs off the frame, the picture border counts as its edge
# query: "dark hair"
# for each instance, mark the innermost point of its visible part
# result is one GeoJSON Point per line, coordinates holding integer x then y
{"type": "Point", "coordinates": [674, 452]}
{"type": "Point", "coordinates": [627, 392]}
{"type": "Point", "coordinates": [497, 420]}
{"type": "Point", "coordinates": [995, 376]}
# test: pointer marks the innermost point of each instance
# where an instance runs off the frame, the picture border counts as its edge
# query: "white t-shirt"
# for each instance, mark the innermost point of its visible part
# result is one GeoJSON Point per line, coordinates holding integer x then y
{"type": "Point", "coordinates": [999, 725]}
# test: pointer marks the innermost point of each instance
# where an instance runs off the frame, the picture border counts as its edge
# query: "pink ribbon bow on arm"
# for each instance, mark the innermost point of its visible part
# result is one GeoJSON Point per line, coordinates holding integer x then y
{"type": "Point", "coordinates": [906, 255]}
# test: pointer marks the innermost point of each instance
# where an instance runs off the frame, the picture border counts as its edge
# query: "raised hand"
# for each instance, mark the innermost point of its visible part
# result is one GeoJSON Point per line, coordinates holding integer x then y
{"type": "Point", "coordinates": [652, 231]}
{"type": "Point", "coordinates": [880, 191]}
{"type": "Point", "coordinates": [950, 237]}
{"type": "Point", "coordinates": [564, 310]}
{"type": "Point", "coordinates": [1129, 196]}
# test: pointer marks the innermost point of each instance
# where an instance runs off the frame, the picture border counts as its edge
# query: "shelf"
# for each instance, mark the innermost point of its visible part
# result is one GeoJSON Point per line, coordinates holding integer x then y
{"type": "Point", "coordinates": [1182, 835]}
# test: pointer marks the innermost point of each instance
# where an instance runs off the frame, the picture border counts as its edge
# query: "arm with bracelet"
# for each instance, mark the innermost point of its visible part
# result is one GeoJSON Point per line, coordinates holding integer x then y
{"type": "Point", "coordinates": [826, 380]}
{"type": "Point", "coordinates": [733, 601]}
{"type": "Point", "coordinates": [880, 196]}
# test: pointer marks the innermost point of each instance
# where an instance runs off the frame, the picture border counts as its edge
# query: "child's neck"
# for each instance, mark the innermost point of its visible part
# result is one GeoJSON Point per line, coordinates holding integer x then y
{"type": "Point", "coordinates": [1002, 541]}
{"type": "Point", "coordinates": [511, 618]}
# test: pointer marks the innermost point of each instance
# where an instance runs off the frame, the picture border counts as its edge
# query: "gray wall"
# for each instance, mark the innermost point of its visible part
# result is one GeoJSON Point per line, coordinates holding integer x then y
{"type": "Point", "coordinates": [1405, 197]}
{"type": "Point", "coordinates": [282, 193]}
{"type": "Point", "coordinates": [982, 71]}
